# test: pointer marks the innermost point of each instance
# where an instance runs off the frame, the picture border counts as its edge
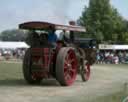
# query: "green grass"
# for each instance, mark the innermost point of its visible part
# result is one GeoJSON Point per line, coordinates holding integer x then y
{"type": "Point", "coordinates": [113, 65]}
{"type": "Point", "coordinates": [116, 97]}
{"type": "Point", "coordinates": [11, 75]}
{"type": "Point", "coordinates": [10, 70]}
{"type": "Point", "coordinates": [14, 70]}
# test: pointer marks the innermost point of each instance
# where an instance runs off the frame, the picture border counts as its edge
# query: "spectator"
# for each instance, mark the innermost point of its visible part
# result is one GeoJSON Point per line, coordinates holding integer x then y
{"type": "Point", "coordinates": [116, 59]}
{"type": "Point", "coordinates": [98, 58]}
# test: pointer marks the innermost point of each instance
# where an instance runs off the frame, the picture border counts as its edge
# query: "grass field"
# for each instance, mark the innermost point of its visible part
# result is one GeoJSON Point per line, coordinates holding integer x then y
{"type": "Point", "coordinates": [116, 97]}
{"type": "Point", "coordinates": [10, 70]}
{"type": "Point", "coordinates": [11, 75]}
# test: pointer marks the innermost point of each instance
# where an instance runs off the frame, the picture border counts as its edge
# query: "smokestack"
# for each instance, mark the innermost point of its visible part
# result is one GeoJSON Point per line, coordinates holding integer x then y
{"type": "Point", "coordinates": [71, 32]}
{"type": "Point", "coordinates": [72, 23]}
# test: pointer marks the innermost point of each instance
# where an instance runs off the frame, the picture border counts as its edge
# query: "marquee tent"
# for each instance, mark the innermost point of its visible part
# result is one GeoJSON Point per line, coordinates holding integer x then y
{"type": "Point", "coordinates": [13, 45]}
{"type": "Point", "coordinates": [112, 47]}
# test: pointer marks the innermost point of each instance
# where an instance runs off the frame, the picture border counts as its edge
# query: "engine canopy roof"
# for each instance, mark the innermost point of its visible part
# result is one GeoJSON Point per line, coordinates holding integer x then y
{"type": "Point", "coordinates": [37, 25]}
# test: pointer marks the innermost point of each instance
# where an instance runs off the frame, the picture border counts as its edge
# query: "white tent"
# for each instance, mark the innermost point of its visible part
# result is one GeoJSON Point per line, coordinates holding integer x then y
{"type": "Point", "coordinates": [13, 45]}
{"type": "Point", "coordinates": [113, 47]}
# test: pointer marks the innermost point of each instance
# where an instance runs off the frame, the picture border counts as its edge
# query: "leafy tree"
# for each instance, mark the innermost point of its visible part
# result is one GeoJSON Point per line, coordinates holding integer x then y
{"type": "Point", "coordinates": [13, 35]}
{"type": "Point", "coordinates": [103, 21]}
{"type": "Point", "coordinates": [125, 37]}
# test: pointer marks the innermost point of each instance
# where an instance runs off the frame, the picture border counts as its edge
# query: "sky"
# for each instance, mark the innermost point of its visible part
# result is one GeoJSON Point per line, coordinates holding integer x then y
{"type": "Point", "coordinates": [14, 12]}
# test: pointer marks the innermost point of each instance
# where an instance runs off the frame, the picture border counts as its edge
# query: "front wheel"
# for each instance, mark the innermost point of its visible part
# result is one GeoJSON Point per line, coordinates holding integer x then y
{"type": "Point", "coordinates": [85, 71]}
{"type": "Point", "coordinates": [66, 66]}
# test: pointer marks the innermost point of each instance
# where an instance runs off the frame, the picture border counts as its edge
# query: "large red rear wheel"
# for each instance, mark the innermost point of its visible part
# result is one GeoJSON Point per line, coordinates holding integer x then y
{"type": "Point", "coordinates": [85, 71]}
{"type": "Point", "coordinates": [28, 75]}
{"type": "Point", "coordinates": [66, 66]}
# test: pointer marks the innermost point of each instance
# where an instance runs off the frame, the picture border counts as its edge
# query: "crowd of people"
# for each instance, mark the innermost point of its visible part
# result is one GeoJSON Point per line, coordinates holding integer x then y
{"type": "Point", "coordinates": [112, 57]}
{"type": "Point", "coordinates": [6, 54]}
{"type": "Point", "coordinates": [102, 56]}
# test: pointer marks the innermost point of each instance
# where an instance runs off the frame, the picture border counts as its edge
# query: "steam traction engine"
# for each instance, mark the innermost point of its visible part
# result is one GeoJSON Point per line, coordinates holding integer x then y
{"type": "Point", "coordinates": [62, 62]}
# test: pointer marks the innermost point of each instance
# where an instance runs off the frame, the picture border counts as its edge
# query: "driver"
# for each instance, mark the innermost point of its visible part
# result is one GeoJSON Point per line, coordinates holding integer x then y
{"type": "Point", "coordinates": [52, 37]}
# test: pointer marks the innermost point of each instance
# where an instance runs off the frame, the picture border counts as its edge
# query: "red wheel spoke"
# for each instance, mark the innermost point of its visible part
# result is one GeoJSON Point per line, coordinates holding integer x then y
{"type": "Point", "coordinates": [66, 62]}
{"type": "Point", "coordinates": [65, 65]}
{"type": "Point", "coordinates": [68, 77]}
{"type": "Point", "coordinates": [66, 72]}
{"type": "Point", "coordinates": [72, 60]}
{"type": "Point", "coordinates": [86, 70]}
{"type": "Point", "coordinates": [72, 70]}
{"type": "Point", "coordinates": [67, 58]}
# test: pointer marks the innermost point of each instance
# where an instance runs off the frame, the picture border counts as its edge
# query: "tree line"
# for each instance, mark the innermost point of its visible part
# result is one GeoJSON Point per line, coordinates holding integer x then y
{"type": "Point", "coordinates": [13, 35]}
{"type": "Point", "coordinates": [103, 22]}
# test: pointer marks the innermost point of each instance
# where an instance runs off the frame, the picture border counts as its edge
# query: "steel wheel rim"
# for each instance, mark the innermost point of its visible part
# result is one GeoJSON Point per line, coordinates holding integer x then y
{"type": "Point", "coordinates": [70, 67]}
{"type": "Point", "coordinates": [86, 71]}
